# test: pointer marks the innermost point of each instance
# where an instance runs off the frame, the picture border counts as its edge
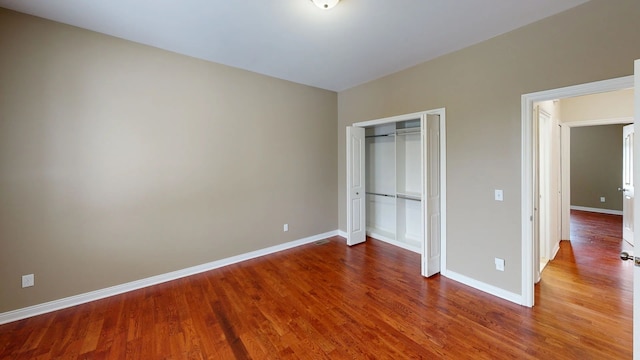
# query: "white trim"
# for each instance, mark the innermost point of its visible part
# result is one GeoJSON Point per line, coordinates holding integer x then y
{"type": "Point", "coordinates": [67, 302]}
{"type": "Point", "coordinates": [556, 248]}
{"type": "Point", "coordinates": [526, 178]}
{"type": "Point", "coordinates": [596, 210]}
{"type": "Point", "coordinates": [594, 122]}
{"type": "Point", "coordinates": [527, 102]}
{"type": "Point", "coordinates": [392, 119]}
{"type": "Point", "coordinates": [490, 289]}
{"type": "Point", "coordinates": [343, 234]}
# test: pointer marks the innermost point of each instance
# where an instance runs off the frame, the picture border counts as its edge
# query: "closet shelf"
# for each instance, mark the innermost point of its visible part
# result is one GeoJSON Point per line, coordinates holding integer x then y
{"type": "Point", "coordinates": [408, 131]}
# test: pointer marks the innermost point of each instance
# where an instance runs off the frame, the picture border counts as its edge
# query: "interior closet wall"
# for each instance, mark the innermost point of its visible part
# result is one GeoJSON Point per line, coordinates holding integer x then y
{"type": "Point", "coordinates": [394, 183]}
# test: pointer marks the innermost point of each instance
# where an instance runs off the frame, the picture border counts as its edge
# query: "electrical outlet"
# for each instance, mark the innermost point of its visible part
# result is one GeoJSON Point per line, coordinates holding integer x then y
{"type": "Point", "coordinates": [499, 195]}
{"type": "Point", "coordinates": [499, 264]}
{"type": "Point", "coordinates": [602, 199]}
{"type": "Point", "coordinates": [285, 227]}
{"type": "Point", "coordinates": [28, 280]}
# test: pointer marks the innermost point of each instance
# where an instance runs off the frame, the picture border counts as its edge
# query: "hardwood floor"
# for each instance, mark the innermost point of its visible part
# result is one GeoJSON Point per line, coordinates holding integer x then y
{"type": "Point", "coordinates": [330, 301]}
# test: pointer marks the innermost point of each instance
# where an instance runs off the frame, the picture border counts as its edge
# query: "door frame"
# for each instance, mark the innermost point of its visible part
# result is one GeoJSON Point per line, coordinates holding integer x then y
{"type": "Point", "coordinates": [443, 177]}
{"type": "Point", "coordinates": [528, 171]}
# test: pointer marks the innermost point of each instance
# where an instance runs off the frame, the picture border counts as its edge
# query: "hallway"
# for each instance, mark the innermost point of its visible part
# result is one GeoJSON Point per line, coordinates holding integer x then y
{"type": "Point", "coordinates": [589, 281]}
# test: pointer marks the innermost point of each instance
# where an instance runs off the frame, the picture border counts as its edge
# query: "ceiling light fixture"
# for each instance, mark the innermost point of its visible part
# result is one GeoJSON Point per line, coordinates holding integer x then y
{"type": "Point", "coordinates": [325, 4]}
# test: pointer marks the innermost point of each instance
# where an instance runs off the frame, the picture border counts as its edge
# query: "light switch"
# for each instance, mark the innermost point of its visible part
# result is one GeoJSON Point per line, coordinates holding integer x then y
{"type": "Point", "coordinates": [499, 196]}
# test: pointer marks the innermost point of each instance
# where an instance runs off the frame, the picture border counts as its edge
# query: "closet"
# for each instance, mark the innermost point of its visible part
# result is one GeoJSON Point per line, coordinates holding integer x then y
{"type": "Point", "coordinates": [395, 170]}
{"type": "Point", "coordinates": [394, 183]}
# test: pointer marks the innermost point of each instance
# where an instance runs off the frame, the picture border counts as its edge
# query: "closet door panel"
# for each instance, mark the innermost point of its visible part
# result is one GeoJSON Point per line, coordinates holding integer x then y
{"type": "Point", "coordinates": [356, 185]}
{"type": "Point", "coordinates": [432, 250]}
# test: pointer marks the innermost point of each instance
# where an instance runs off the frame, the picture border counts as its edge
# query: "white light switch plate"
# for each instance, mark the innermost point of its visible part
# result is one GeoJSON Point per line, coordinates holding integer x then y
{"type": "Point", "coordinates": [499, 196]}
{"type": "Point", "coordinates": [28, 280]}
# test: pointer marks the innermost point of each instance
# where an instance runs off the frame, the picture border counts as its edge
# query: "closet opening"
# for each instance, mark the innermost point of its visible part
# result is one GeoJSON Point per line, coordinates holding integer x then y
{"type": "Point", "coordinates": [395, 172]}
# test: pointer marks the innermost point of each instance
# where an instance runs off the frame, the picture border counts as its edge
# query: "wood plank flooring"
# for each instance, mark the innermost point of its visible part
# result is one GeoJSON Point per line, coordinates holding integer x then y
{"type": "Point", "coordinates": [367, 302]}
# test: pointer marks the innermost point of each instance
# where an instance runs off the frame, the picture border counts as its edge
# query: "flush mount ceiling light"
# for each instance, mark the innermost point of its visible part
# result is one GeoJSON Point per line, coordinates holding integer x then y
{"type": "Point", "coordinates": [325, 4]}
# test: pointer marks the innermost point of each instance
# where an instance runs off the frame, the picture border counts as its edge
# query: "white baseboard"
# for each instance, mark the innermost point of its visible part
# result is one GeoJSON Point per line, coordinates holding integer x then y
{"type": "Point", "coordinates": [596, 210]}
{"type": "Point", "coordinates": [479, 285]}
{"type": "Point", "coordinates": [63, 303]}
{"type": "Point", "coordinates": [555, 250]}
{"type": "Point", "coordinates": [342, 233]}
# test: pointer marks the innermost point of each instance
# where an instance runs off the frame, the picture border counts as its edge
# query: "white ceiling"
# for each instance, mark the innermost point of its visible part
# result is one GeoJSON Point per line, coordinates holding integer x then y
{"type": "Point", "coordinates": [355, 42]}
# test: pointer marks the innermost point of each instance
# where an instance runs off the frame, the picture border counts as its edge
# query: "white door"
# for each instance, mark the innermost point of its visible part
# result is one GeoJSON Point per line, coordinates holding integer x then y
{"type": "Point", "coordinates": [636, 221]}
{"type": "Point", "coordinates": [535, 121]}
{"type": "Point", "coordinates": [356, 207]}
{"type": "Point", "coordinates": [431, 247]}
{"type": "Point", "coordinates": [627, 183]}
{"type": "Point", "coordinates": [544, 185]}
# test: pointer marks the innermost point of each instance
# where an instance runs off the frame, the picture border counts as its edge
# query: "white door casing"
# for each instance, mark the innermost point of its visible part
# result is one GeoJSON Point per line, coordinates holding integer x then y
{"type": "Point", "coordinates": [627, 183]}
{"type": "Point", "coordinates": [356, 206]}
{"type": "Point", "coordinates": [536, 217]}
{"type": "Point", "coordinates": [528, 170]}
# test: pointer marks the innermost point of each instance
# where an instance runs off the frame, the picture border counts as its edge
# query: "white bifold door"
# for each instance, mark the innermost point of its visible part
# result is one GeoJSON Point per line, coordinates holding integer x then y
{"type": "Point", "coordinates": [394, 187]}
{"type": "Point", "coordinates": [356, 207]}
{"type": "Point", "coordinates": [432, 243]}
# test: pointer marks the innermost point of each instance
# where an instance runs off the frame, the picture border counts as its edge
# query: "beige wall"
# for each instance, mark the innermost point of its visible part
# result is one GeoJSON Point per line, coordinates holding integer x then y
{"type": "Point", "coordinates": [609, 105]}
{"type": "Point", "coordinates": [596, 166]}
{"type": "Point", "coordinates": [120, 161]}
{"type": "Point", "coordinates": [596, 152]}
{"type": "Point", "coordinates": [481, 88]}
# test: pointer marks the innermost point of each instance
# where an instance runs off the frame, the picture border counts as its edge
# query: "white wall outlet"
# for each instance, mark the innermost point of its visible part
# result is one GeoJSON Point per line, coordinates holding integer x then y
{"type": "Point", "coordinates": [499, 196]}
{"type": "Point", "coordinates": [602, 199]}
{"type": "Point", "coordinates": [499, 264]}
{"type": "Point", "coordinates": [285, 227]}
{"type": "Point", "coordinates": [28, 280]}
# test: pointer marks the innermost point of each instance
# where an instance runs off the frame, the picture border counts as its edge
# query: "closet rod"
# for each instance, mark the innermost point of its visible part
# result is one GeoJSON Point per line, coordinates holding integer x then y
{"type": "Point", "coordinates": [379, 194]}
{"type": "Point", "coordinates": [375, 136]}
{"type": "Point", "coordinates": [409, 197]}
